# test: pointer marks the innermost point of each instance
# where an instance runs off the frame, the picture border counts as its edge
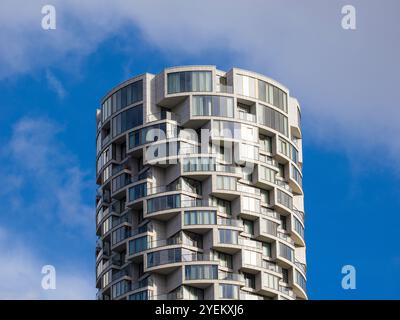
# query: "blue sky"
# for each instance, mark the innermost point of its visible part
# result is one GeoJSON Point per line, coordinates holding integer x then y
{"type": "Point", "coordinates": [51, 83]}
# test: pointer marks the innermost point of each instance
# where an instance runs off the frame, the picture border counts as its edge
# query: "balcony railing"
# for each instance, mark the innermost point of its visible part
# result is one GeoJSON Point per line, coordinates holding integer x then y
{"type": "Point", "coordinates": [299, 214]}
{"type": "Point", "coordinates": [105, 140]}
{"type": "Point", "coordinates": [230, 222]}
{"type": "Point", "coordinates": [271, 266]}
{"type": "Point", "coordinates": [250, 243]}
{"type": "Point", "coordinates": [147, 282]}
{"type": "Point", "coordinates": [141, 176]}
{"type": "Point", "coordinates": [287, 291]}
{"type": "Point", "coordinates": [247, 116]}
{"type": "Point", "coordinates": [269, 212]}
{"type": "Point", "coordinates": [163, 115]}
{"type": "Point", "coordinates": [179, 258]}
{"type": "Point", "coordinates": [285, 237]}
{"type": "Point", "coordinates": [168, 296]}
{"type": "Point", "coordinates": [119, 274]}
{"type": "Point", "coordinates": [268, 160]}
{"type": "Point", "coordinates": [301, 266]}
{"type": "Point", "coordinates": [283, 185]}
{"type": "Point", "coordinates": [223, 88]}
{"type": "Point", "coordinates": [248, 189]}
{"type": "Point", "coordinates": [170, 188]}
{"type": "Point", "coordinates": [229, 276]}
{"type": "Point", "coordinates": [250, 296]}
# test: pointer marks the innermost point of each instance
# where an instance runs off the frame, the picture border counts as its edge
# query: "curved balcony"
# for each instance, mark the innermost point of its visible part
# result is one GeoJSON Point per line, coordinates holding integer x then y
{"type": "Point", "coordinates": [299, 285]}
{"type": "Point", "coordinates": [132, 288]}
{"type": "Point", "coordinates": [164, 264]}
{"type": "Point", "coordinates": [297, 231]}
{"type": "Point", "coordinates": [163, 115]}
{"type": "Point", "coordinates": [168, 207]}
{"type": "Point", "coordinates": [205, 275]}
{"type": "Point", "coordinates": [119, 239]}
{"type": "Point", "coordinates": [201, 221]}
{"type": "Point", "coordinates": [260, 265]}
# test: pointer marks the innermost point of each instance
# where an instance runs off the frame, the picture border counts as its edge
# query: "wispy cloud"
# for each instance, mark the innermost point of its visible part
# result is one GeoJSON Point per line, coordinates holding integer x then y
{"type": "Point", "coordinates": [55, 84]}
{"type": "Point", "coordinates": [345, 80]}
{"type": "Point", "coordinates": [44, 178]}
{"type": "Point", "coordinates": [21, 277]}
{"type": "Point", "coordinates": [45, 197]}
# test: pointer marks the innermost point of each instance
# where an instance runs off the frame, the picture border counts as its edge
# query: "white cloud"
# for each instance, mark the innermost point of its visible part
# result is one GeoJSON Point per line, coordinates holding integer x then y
{"type": "Point", "coordinates": [21, 277]}
{"type": "Point", "coordinates": [55, 84]}
{"type": "Point", "coordinates": [44, 178]}
{"type": "Point", "coordinates": [345, 80]}
{"type": "Point", "coordinates": [44, 199]}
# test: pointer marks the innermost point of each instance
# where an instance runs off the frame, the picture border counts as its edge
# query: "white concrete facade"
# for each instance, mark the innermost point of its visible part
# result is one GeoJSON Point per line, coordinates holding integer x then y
{"type": "Point", "coordinates": [180, 215]}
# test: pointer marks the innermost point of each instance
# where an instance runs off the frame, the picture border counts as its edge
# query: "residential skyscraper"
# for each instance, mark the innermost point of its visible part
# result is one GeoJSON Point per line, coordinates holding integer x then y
{"type": "Point", "coordinates": [200, 188]}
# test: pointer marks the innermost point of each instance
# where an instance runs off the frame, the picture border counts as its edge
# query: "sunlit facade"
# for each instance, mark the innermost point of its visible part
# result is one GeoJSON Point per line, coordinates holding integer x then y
{"type": "Point", "coordinates": [200, 188]}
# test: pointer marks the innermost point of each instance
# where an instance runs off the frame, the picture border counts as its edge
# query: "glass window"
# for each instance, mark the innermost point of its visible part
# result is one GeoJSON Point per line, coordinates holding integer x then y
{"type": "Point", "coordinates": [217, 106]}
{"type": "Point", "coordinates": [106, 226]}
{"type": "Point", "coordinates": [283, 222]}
{"type": "Point", "coordinates": [248, 226]}
{"type": "Point", "coordinates": [245, 85]}
{"type": "Point", "coordinates": [127, 119]}
{"type": "Point", "coordinates": [228, 291]}
{"type": "Point", "coordinates": [248, 151]}
{"type": "Point", "coordinates": [251, 257]}
{"type": "Point", "coordinates": [139, 244]}
{"type": "Point", "coordinates": [199, 164]}
{"type": "Point", "coordinates": [269, 227]}
{"type": "Point", "coordinates": [286, 252]}
{"type": "Point", "coordinates": [265, 173]}
{"type": "Point", "coordinates": [250, 204]}
{"type": "Point", "coordinates": [141, 295]}
{"type": "Point", "coordinates": [225, 260]}
{"type": "Point", "coordinates": [300, 280]}
{"type": "Point", "coordinates": [270, 281]}
{"type": "Point", "coordinates": [163, 203]}
{"type": "Point", "coordinates": [265, 196]}
{"type": "Point", "coordinates": [284, 199]}
{"type": "Point", "coordinates": [250, 280]}
{"type": "Point", "coordinates": [125, 96]}
{"type": "Point", "coordinates": [119, 235]}
{"type": "Point", "coordinates": [267, 250]}
{"type": "Point", "coordinates": [138, 191]}
{"type": "Point", "coordinates": [163, 257]}
{"type": "Point", "coordinates": [296, 175]}
{"type": "Point", "coordinates": [283, 147]}
{"type": "Point", "coordinates": [224, 206]}
{"type": "Point", "coordinates": [298, 227]}
{"type": "Point", "coordinates": [228, 236]}
{"type": "Point", "coordinates": [262, 90]}
{"type": "Point", "coordinates": [272, 94]}
{"type": "Point", "coordinates": [152, 133]}
{"type": "Point", "coordinates": [192, 293]}
{"type": "Point", "coordinates": [120, 288]}
{"type": "Point", "coordinates": [106, 279]}
{"type": "Point", "coordinates": [226, 183]}
{"type": "Point", "coordinates": [120, 181]}
{"type": "Point", "coordinates": [266, 143]}
{"type": "Point", "coordinates": [187, 81]}
{"type": "Point", "coordinates": [273, 119]}
{"type": "Point", "coordinates": [285, 275]}
{"type": "Point", "coordinates": [199, 272]}
{"type": "Point", "coordinates": [295, 155]}
{"type": "Point", "coordinates": [200, 217]}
